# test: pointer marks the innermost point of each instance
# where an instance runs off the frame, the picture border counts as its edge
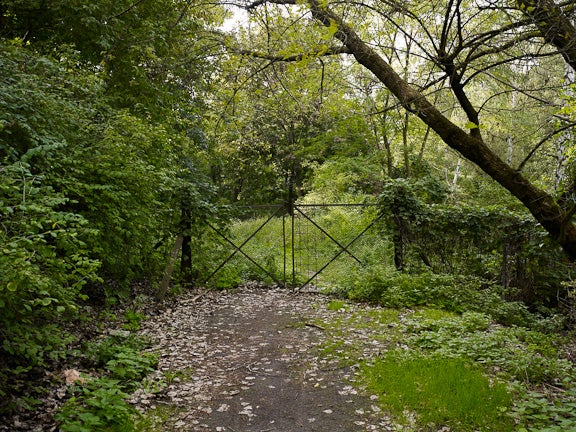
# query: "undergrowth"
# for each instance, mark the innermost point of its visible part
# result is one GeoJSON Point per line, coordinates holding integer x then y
{"type": "Point", "coordinates": [521, 353]}
{"type": "Point", "coordinates": [98, 400]}
{"type": "Point", "coordinates": [467, 371]}
{"type": "Point", "coordinates": [455, 293]}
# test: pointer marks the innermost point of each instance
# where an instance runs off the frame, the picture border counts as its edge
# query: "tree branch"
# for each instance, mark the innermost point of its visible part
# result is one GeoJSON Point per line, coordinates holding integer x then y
{"type": "Point", "coordinates": [257, 3]}
{"type": "Point", "coordinates": [554, 26]}
{"type": "Point", "coordinates": [542, 142]}
{"type": "Point", "coordinates": [294, 57]}
{"type": "Point", "coordinates": [128, 9]}
{"type": "Point", "coordinates": [537, 201]}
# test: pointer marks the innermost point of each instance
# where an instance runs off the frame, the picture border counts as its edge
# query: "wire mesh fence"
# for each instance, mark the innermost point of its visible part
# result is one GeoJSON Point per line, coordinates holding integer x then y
{"type": "Point", "coordinates": [295, 245]}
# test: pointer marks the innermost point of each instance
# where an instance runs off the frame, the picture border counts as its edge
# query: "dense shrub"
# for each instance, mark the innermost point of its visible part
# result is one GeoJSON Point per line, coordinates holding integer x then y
{"type": "Point", "coordinates": [523, 354]}
{"type": "Point", "coordinates": [492, 243]}
{"type": "Point", "coordinates": [455, 293]}
{"type": "Point", "coordinates": [44, 264]}
{"type": "Point", "coordinates": [99, 403]}
{"type": "Point", "coordinates": [88, 193]}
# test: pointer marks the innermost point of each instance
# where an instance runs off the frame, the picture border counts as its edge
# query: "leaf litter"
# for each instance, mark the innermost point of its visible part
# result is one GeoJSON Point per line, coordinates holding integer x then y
{"type": "Point", "coordinates": [253, 360]}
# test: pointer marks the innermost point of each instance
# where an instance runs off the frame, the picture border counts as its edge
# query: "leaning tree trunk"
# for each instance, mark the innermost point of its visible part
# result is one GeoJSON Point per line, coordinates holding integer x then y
{"type": "Point", "coordinates": [546, 211]}
{"type": "Point", "coordinates": [554, 25]}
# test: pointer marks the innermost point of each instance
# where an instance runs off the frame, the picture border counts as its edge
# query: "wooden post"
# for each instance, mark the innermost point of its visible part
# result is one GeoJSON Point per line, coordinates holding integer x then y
{"type": "Point", "coordinates": [163, 288]}
{"type": "Point", "coordinates": [186, 257]}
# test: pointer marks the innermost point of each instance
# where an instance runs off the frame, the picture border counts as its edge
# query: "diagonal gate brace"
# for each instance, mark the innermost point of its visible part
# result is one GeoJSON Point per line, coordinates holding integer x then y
{"type": "Point", "coordinates": [239, 249]}
{"type": "Point", "coordinates": [342, 248]}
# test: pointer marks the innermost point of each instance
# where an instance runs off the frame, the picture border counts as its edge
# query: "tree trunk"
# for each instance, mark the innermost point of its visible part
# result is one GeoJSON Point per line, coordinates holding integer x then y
{"type": "Point", "coordinates": [542, 206]}
{"type": "Point", "coordinates": [186, 257]}
{"type": "Point", "coordinates": [398, 241]}
{"type": "Point", "coordinates": [554, 26]}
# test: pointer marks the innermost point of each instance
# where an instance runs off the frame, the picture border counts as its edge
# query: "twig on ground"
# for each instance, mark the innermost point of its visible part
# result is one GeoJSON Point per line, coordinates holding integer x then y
{"type": "Point", "coordinates": [314, 325]}
{"type": "Point", "coordinates": [203, 293]}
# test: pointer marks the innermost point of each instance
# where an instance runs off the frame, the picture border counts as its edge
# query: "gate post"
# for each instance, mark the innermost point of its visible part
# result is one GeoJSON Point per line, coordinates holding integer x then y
{"type": "Point", "coordinates": [186, 233]}
{"type": "Point", "coordinates": [290, 207]}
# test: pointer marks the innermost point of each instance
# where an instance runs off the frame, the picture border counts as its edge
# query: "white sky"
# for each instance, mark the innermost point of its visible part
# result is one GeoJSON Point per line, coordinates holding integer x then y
{"type": "Point", "coordinates": [239, 18]}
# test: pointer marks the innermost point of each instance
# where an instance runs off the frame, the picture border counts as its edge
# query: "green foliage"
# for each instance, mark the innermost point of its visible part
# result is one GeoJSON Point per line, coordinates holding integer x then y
{"type": "Point", "coordinates": [44, 263]}
{"type": "Point", "coordinates": [78, 198]}
{"type": "Point", "coordinates": [98, 405]}
{"type": "Point", "coordinates": [523, 354]}
{"type": "Point", "coordinates": [137, 46]}
{"type": "Point", "coordinates": [492, 243]}
{"type": "Point", "coordinates": [537, 411]}
{"type": "Point", "coordinates": [336, 305]}
{"type": "Point", "coordinates": [119, 189]}
{"type": "Point", "coordinates": [122, 358]}
{"type": "Point", "coordinates": [454, 293]}
{"type": "Point", "coordinates": [100, 142]}
{"type": "Point", "coordinates": [124, 174]}
{"type": "Point", "coordinates": [268, 241]}
{"type": "Point", "coordinates": [228, 277]}
{"type": "Point", "coordinates": [132, 320]}
{"type": "Point", "coordinates": [442, 392]}
{"type": "Point", "coordinates": [53, 118]}
{"type": "Point", "coordinates": [429, 339]}
{"type": "Point", "coordinates": [265, 248]}
{"type": "Point", "coordinates": [343, 180]}
{"type": "Point", "coordinates": [131, 365]}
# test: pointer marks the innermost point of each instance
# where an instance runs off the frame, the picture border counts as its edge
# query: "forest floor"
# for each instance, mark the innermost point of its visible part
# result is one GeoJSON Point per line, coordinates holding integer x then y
{"type": "Point", "coordinates": [255, 360]}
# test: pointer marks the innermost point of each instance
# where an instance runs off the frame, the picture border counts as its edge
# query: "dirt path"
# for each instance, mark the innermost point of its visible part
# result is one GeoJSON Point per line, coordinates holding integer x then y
{"type": "Point", "coordinates": [250, 361]}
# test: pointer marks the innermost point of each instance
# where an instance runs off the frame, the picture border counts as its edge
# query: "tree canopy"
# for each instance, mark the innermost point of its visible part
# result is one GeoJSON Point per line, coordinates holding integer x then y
{"type": "Point", "coordinates": [461, 67]}
{"type": "Point", "coordinates": [100, 148]}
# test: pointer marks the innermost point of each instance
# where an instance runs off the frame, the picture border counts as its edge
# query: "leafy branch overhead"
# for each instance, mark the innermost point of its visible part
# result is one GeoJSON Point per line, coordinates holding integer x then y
{"type": "Point", "coordinates": [554, 24]}
{"type": "Point", "coordinates": [457, 53]}
{"type": "Point", "coordinates": [324, 51]}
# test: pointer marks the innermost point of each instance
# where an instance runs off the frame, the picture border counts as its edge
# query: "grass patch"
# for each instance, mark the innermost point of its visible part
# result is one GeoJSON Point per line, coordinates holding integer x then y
{"type": "Point", "coordinates": [172, 376]}
{"type": "Point", "coordinates": [441, 391]}
{"type": "Point", "coordinates": [158, 418]}
{"type": "Point", "coordinates": [433, 314]}
{"type": "Point", "coordinates": [383, 316]}
{"type": "Point", "coordinates": [336, 305]}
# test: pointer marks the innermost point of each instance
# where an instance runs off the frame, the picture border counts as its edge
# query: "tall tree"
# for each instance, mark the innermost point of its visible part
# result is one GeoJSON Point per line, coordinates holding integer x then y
{"type": "Point", "coordinates": [462, 45]}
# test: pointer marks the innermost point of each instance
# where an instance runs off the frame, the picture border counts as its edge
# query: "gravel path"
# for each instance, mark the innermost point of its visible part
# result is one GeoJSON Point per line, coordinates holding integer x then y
{"type": "Point", "coordinates": [250, 361]}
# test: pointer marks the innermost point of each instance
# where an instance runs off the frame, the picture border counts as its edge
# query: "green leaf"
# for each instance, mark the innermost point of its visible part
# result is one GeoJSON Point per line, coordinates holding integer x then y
{"type": "Point", "coordinates": [46, 301]}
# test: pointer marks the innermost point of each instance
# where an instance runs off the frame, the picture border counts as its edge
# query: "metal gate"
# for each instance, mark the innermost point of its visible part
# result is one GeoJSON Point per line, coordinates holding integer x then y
{"type": "Point", "coordinates": [295, 245]}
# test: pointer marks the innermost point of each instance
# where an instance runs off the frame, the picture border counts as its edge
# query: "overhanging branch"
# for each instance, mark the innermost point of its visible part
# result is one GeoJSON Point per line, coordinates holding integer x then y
{"type": "Point", "coordinates": [293, 57]}
{"type": "Point", "coordinates": [257, 3]}
{"type": "Point", "coordinates": [542, 142]}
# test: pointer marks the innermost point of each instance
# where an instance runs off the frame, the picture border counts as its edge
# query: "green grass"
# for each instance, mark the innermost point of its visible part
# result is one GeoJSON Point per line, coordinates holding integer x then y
{"type": "Point", "coordinates": [156, 419]}
{"type": "Point", "coordinates": [336, 305]}
{"type": "Point", "coordinates": [454, 392]}
{"type": "Point", "coordinates": [441, 391]}
{"type": "Point", "coordinates": [433, 314]}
